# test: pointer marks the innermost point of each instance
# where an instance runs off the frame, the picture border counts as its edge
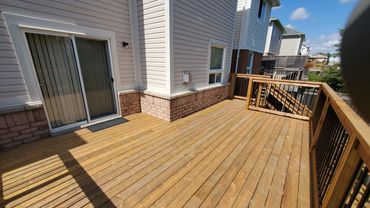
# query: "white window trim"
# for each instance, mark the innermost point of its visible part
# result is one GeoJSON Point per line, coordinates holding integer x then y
{"type": "Point", "coordinates": [217, 44]}
{"type": "Point", "coordinates": [18, 25]}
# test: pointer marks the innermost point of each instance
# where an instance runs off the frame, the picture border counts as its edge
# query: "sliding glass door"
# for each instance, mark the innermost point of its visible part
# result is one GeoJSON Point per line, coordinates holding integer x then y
{"type": "Point", "coordinates": [58, 77]}
{"type": "Point", "coordinates": [74, 77]}
{"type": "Point", "coordinates": [95, 68]}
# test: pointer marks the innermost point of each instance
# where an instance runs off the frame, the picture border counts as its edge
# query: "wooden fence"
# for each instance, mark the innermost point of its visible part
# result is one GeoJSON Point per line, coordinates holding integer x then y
{"type": "Point", "coordinates": [339, 138]}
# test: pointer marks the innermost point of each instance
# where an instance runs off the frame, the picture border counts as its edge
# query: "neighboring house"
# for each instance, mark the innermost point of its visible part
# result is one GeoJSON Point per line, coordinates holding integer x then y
{"type": "Point", "coordinates": [292, 43]}
{"type": "Point", "coordinates": [66, 64]}
{"type": "Point", "coordinates": [250, 33]}
{"type": "Point", "coordinates": [319, 58]}
{"type": "Point", "coordinates": [274, 37]}
{"type": "Point", "coordinates": [305, 50]}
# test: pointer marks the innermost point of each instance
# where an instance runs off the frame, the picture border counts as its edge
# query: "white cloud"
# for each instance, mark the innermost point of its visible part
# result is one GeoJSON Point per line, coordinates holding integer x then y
{"type": "Point", "coordinates": [300, 14]}
{"type": "Point", "coordinates": [324, 43]}
{"type": "Point", "coordinates": [290, 26]}
{"type": "Point", "coordinates": [345, 1]}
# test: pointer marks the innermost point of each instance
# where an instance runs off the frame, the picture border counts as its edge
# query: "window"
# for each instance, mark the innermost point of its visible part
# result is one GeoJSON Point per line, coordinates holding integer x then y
{"type": "Point", "coordinates": [262, 9]}
{"type": "Point", "coordinates": [216, 58]}
{"type": "Point", "coordinates": [216, 65]}
{"type": "Point", "coordinates": [250, 62]}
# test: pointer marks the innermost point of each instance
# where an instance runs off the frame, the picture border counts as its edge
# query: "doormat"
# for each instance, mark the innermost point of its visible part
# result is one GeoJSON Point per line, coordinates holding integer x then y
{"type": "Point", "coordinates": [107, 124]}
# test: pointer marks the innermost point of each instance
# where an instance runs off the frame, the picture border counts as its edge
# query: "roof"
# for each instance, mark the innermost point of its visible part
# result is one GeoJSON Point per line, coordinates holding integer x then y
{"type": "Point", "coordinates": [319, 56]}
{"type": "Point", "coordinates": [290, 31]}
{"type": "Point", "coordinates": [294, 33]}
{"type": "Point", "coordinates": [277, 22]}
{"type": "Point", "coordinates": [305, 45]}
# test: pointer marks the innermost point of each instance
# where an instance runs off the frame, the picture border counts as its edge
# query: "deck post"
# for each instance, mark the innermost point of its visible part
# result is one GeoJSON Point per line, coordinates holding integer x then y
{"type": "Point", "coordinates": [232, 86]}
{"type": "Point", "coordinates": [249, 92]}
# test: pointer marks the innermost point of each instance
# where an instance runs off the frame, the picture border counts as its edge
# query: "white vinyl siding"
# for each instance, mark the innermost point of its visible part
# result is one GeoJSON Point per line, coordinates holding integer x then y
{"type": "Point", "coordinates": [12, 86]}
{"type": "Point", "coordinates": [253, 34]}
{"type": "Point", "coordinates": [195, 25]}
{"type": "Point", "coordinates": [105, 15]}
{"type": "Point", "coordinates": [290, 46]}
{"type": "Point", "coordinates": [152, 38]}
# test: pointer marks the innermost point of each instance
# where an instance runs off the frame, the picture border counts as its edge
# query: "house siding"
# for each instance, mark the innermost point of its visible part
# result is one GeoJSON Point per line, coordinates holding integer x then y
{"type": "Point", "coordinates": [290, 46]}
{"type": "Point", "coordinates": [152, 38]}
{"type": "Point", "coordinates": [13, 89]}
{"type": "Point", "coordinates": [195, 24]}
{"type": "Point", "coordinates": [108, 15]}
{"type": "Point", "coordinates": [274, 40]}
{"type": "Point", "coordinates": [238, 21]}
{"type": "Point", "coordinates": [254, 32]}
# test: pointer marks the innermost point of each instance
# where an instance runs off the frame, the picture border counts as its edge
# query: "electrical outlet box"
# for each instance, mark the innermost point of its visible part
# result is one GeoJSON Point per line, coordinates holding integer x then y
{"type": "Point", "coordinates": [186, 77]}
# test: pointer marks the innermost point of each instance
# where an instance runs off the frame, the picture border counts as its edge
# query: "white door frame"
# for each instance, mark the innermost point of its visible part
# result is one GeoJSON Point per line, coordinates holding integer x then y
{"type": "Point", "coordinates": [18, 25]}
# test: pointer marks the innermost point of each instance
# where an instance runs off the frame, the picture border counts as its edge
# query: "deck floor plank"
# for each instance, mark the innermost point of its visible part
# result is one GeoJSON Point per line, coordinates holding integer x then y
{"type": "Point", "coordinates": [221, 156]}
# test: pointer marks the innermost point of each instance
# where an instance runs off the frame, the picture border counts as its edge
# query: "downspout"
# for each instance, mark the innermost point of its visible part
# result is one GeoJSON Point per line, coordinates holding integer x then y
{"type": "Point", "coordinates": [240, 34]}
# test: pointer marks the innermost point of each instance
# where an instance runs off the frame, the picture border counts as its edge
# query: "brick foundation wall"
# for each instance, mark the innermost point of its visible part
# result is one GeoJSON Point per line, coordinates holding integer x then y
{"type": "Point", "coordinates": [179, 107]}
{"type": "Point", "coordinates": [130, 103]}
{"type": "Point", "coordinates": [183, 106]}
{"type": "Point", "coordinates": [22, 127]}
{"type": "Point", "coordinates": [257, 62]}
{"type": "Point", "coordinates": [155, 106]}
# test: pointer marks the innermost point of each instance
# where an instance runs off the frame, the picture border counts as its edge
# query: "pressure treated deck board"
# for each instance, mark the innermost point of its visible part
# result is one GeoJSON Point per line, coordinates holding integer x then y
{"type": "Point", "coordinates": [221, 156]}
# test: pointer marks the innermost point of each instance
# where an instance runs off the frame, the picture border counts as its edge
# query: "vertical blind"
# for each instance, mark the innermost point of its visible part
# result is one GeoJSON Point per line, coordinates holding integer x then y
{"type": "Point", "coordinates": [95, 68]}
{"type": "Point", "coordinates": [58, 77]}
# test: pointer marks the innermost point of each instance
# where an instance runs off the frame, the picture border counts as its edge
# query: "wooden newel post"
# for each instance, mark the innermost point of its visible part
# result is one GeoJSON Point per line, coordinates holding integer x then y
{"type": "Point", "coordinates": [249, 92]}
{"type": "Point", "coordinates": [232, 85]}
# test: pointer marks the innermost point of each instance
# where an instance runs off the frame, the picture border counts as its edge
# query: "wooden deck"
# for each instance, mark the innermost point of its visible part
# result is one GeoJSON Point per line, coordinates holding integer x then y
{"type": "Point", "coordinates": [222, 156]}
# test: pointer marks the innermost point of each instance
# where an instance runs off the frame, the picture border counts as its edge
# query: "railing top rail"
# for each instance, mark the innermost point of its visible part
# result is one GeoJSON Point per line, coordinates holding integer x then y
{"type": "Point", "coordinates": [290, 69]}
{"type": "Point", "coordinates": [252, 76]}
{"type": "Point", "coordinates": [291, 82]}
{"type": "Point", "coordinates": [349, 118]}
{"type": "Point", "coordinates": [288, 82]}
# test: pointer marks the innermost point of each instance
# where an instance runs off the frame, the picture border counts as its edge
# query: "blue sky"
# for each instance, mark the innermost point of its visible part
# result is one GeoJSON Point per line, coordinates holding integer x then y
{"type": "Point", "coordinates": [319, 19]}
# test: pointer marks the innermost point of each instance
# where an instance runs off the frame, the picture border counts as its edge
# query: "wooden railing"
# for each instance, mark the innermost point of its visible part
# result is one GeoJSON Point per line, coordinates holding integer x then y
{"type": "Point", "coordinates": [288, 74]}
{"type": "Point", "coordinates": [283, 97]}
{"type": "Point", "coordinates": [340, 150]}
{"type": "Point", "coordinates": [339, 138]}
{"type": "Point", "coordinates": [240, 84]}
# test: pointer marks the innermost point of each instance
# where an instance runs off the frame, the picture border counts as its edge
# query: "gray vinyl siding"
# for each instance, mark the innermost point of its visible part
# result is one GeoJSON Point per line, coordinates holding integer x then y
{"type": "Point", "coordinates": [195, 23]}
{"type": "Point", "coordinates": [12, 85]}
{"type": "Point", "coordinates": [275, 41]}
{"type": "Point", "coordinates": [254, 32]}
{"type": "Point", "coordinates": [152, 38]}
{"type": "Point", "coordinates": [105, 15]}
{"type": "Point", "coordinates": [290, 46]}
{"type": "Point", "coordinates": [238, 22]}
